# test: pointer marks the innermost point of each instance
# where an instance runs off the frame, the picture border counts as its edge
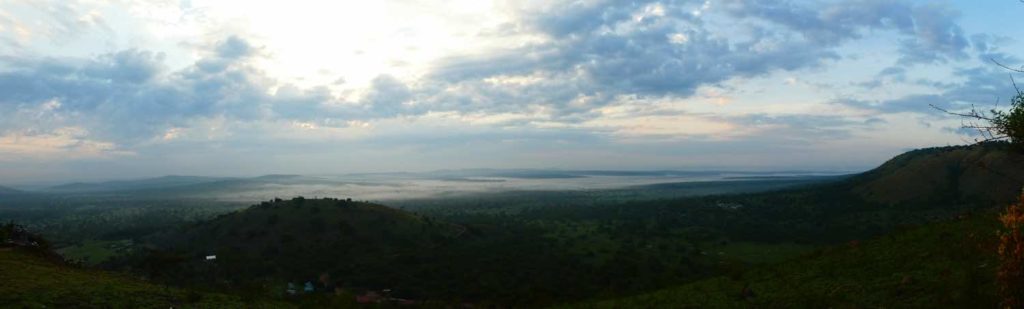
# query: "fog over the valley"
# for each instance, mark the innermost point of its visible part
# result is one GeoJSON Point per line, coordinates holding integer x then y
{"type": "Point", "coordinates": [405, 186]}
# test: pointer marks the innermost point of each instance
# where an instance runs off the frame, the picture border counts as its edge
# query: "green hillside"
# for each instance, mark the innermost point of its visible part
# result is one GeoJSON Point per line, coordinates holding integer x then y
{"type": "Point", "coordinates": [983, 173]}
{"type": "Point", "coordinates": [28, 280]}
{"type": "Point", "coordinates": [941, 265]}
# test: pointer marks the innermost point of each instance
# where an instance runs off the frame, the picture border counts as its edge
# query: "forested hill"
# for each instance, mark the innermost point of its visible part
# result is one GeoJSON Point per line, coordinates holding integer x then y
{"type": "Point", "coordinates": [983, 173]}
{"type": "Point", "coordinates": [300, 238]}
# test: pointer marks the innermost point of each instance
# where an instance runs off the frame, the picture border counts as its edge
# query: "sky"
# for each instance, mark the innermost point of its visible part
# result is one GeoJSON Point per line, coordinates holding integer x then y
{"type": "Point", "coordinates": [118, 89]}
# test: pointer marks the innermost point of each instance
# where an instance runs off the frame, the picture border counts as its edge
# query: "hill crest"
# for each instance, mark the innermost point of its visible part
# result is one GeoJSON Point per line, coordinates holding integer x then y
{"type": "Point", "coordinates": [981, 173]}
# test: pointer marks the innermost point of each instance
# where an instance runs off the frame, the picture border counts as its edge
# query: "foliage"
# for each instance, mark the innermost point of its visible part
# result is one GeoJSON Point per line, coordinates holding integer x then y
{"type": "Point", "coordinates": [995, 124]}
{"type": "Point", "coordinates": [1010, 123]}
{"type": "Point", "coordinates": [941, 265]}
{"type": "Point", "coordinates": [1011, 256]}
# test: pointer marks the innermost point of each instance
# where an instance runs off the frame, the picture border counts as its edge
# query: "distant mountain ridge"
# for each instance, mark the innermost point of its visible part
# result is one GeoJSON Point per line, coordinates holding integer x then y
{"type": "Point", "coordinates": [558, 173]}
{"type": "Point", "coordinates": [139, 184]}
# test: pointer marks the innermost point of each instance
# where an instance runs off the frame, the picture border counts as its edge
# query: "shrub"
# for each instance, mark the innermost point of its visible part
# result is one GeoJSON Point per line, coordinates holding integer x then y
{"type": "Point", "coordinates": [1011, 256]}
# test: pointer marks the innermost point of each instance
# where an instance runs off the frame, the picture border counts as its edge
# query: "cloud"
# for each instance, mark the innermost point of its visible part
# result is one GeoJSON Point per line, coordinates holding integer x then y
{"type": "Point", "coordinates": [60, 144]}
{"type": "Point", "coordinates": [937, 37]}
{"type": "Point", "coordinates": [595, 75]}
{"type": "Point", "coordinates": [126, 96]}
{"type": "Point", "coordinates": [387, 96]}
{"type": "Point", "coordinates": [235, 48]}
{"type": "Point", "coordinates": [987, 48]}
{"type": "Point", "coordinates": [981, 87]}
{"type": "Point", "coordinates": [604, 50]}
{"type": "Point", "coordinates": [636, 49]}
{"type": "Point", "coordinates": [592, 54]}
{"type": "Point", "coordinates": [130, 66]}
{"type": "Point", "coordinates": [930, 31]}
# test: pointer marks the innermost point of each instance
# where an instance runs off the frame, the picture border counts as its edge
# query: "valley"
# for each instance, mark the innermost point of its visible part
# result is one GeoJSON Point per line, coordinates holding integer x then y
{"type": "Point", "coordinates": [538, 247]}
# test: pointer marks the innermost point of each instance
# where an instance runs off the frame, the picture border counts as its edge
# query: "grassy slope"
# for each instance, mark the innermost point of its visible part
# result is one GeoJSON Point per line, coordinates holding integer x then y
{"type": "Point", "coordinates": [948, 264]}
{"type": "Point", "coordinates": [27, 280]}
{"type": "Point", "coordinates": [93, 252]}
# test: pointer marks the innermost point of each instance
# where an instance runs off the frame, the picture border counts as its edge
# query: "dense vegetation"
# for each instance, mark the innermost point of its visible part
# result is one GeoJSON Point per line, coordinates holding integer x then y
{"type": "Point", "coordinates": [364, 246]}
{"type": "Point", "coordinates": [944, 265]}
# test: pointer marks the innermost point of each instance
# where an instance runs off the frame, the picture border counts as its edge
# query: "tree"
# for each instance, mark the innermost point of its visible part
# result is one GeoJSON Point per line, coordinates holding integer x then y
{"type": "Point", "coordinates": [996, 125]}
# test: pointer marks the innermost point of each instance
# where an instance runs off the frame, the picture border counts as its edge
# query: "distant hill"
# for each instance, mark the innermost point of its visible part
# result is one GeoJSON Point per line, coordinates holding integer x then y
{"type": "Point", "coordinates": [194, 186]}
{"type": "Point", "coordinates": [139, 184]}
{"type": "Point", "coordinates": [300, 225]}
{"type": "Point", "coordinates": [985, 174]}
{"type": "Point", "coordinates": [280, 185]}
{"type": "Point", "coordinates": [568, 174]}
{"type": "Point", "coordinates": [5, 191]}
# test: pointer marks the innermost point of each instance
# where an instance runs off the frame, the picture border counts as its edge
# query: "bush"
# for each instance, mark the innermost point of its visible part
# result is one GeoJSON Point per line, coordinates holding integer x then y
{"type": "Point", "coordinates": [1010, 123]}
{"type": "Point", "coordinates": [996, 125]}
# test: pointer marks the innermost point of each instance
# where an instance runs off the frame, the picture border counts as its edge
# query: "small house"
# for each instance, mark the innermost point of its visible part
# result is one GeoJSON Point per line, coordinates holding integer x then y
{"type": "Point", "coordinates": [291, 289]}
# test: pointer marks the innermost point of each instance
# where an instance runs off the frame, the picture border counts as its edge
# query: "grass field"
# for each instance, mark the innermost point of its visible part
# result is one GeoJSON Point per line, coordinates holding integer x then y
{"type": "Point", "coordinates": [93, 252]}
{"type": "Point", "coordinates": [30, 281]}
